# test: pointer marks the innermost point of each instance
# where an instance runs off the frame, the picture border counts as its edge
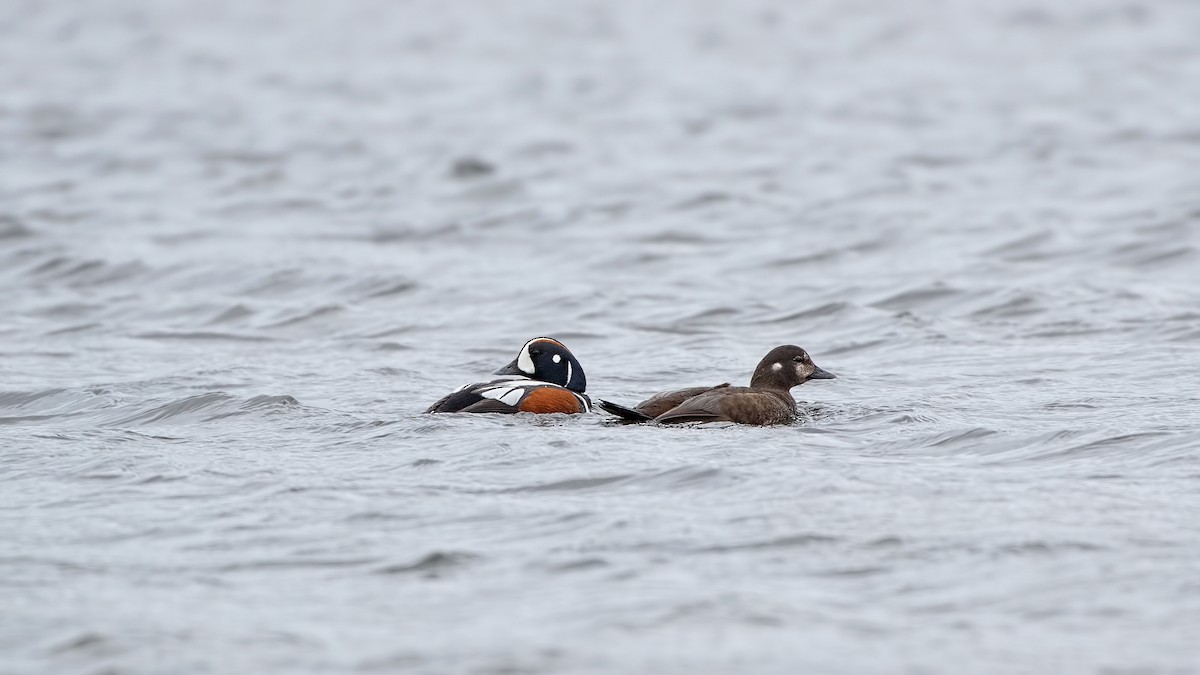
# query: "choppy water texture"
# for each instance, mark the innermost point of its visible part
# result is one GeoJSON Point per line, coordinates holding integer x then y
{"type": "Point", "coordinates": [243, 244]}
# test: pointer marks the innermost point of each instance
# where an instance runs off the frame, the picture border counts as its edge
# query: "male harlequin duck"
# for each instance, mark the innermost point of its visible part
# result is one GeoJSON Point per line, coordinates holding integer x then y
{"type": "Point", "coordinates": [768, 399]}
{"type": "Point", "coordinates": [544, 378]}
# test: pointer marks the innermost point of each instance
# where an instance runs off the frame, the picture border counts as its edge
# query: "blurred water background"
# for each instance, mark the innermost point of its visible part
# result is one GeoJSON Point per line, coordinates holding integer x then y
{"type": "Point", "coordinates": [244, 244]}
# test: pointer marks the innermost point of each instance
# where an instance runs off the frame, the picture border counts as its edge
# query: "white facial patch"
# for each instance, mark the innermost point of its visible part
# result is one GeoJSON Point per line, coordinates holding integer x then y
{"type": "Point", "coordinates": [557, 358]}
{"type": "Point", "coordinates": [568, 372]}
{"type": "Point", "coordinates": [777, 367]}
{"type": "Point", "coordinates": [525, 361]}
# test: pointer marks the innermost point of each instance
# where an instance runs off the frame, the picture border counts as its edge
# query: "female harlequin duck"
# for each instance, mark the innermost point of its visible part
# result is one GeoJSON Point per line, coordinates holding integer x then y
{"type": "Point", "coordinates": [544, 378]}
{"type": "Point", "coordinates": [768, 399]}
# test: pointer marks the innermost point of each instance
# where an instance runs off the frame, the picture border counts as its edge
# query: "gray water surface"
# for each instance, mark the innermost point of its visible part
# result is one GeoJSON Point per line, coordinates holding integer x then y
{"type": "Point", "coordinates": [244, 244]}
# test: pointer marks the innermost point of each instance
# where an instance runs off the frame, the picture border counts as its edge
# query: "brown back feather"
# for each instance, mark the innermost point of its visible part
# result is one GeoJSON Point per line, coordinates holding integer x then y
{"type": "Point", "coordinates": [734, 404]}
{"type": "Point", "coordinates": [662, 402]}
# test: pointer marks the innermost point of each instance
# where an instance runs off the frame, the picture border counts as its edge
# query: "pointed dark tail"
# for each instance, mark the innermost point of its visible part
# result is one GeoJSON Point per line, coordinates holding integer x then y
{"type": "Point", "coordinates": [627, 414]}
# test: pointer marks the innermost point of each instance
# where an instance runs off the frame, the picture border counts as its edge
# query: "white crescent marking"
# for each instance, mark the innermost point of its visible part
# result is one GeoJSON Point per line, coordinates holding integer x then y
{"type": "Point", "coordinates": [584, 403]}
{"type": "Point", "coordinates": [525, 361]}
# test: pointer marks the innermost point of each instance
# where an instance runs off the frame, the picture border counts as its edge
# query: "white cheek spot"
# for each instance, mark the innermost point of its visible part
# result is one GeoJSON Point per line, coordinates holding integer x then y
{"type": "Point", "coordinates": [525, 361]}
{"type": "Point", "coordinates": [777, 367]}
{"type": "Point", "coordinates": [557, 358]}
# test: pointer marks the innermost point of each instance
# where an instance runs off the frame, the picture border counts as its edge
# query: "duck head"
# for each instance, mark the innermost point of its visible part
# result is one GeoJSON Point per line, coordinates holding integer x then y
{"type": "Point", "coordinates": [785, 367]}
{"type": "Point", "coordinates": [548, 360]}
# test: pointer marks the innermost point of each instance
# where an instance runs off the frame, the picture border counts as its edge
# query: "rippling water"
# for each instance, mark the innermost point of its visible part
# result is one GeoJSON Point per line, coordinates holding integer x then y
{"type": "Point", "coordinates": [244, 244]}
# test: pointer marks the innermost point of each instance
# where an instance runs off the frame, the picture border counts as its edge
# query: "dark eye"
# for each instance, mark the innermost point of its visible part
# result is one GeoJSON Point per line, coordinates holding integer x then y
{"type": "Point", "coordinates": [798, 359]}
{"type": "Point", "coordinates": [535, 352]}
